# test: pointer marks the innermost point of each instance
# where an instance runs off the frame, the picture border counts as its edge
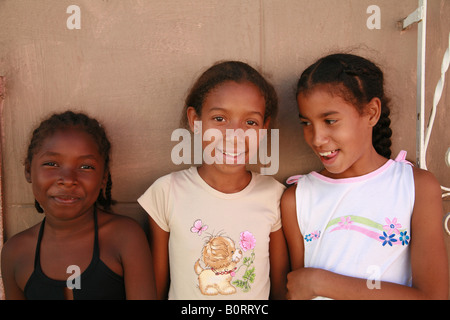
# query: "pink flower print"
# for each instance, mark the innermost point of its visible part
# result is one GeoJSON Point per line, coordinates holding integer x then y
{"type": "Point", "coordinates": [315, 235]}
{"type": "Point", "coordinates": [248, 241]}
{"type": "Point", "coordinates": [345, 223]}
{"type": "Point", "coordinates": [392, 226]}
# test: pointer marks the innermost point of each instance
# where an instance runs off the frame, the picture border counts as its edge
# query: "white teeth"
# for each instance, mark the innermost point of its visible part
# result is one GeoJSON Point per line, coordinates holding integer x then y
{"type": "Point", "coordinates": [231, 154]}
{"type": "Point", "coordinates": [326, 154]}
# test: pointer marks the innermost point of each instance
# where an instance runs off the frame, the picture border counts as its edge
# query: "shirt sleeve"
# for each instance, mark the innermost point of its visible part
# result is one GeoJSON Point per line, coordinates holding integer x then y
{"type": "Point", "coordinates": [155, 202]}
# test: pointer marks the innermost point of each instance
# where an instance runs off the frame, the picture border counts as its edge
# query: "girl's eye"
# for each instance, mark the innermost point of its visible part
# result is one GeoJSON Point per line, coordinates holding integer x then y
{"type": "Point", "coordinates": [86, 167]}
{"type": "Point", "coordinates": [305, 123]}
{"type": "Point", "coordinates": [331, 121]}
{"type": "Point", "coordinates": [50, 164]}
{"type": "Point", "coordinates": [219, 119]}
{"type": "Point", "coordinates": [252, 123]}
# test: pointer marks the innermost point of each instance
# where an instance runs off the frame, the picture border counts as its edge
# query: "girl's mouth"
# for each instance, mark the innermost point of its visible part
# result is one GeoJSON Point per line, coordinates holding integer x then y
{"type": "Point", "coordinates": [328, 156]}
{"type": "Point", "coordinates": [237, 157]}
{"type": "Point", "coordinates": [65, 199]}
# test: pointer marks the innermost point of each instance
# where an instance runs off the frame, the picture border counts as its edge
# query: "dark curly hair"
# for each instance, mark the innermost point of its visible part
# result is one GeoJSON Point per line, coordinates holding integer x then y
{"type": "Point", "coordinates": [357, 80]}
{"type": "Point", "coordinates": [78, 120]}
{"type": "Point", "coordinates": [224, 71]}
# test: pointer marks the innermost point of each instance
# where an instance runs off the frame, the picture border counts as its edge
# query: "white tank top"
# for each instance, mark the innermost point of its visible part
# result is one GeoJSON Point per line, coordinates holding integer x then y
{"type": "Point", "coordinates": [360, 226]}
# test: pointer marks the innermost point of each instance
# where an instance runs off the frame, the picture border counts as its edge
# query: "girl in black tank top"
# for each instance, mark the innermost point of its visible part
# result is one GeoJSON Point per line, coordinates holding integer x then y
{"type": "Point", "coordinates": [97, 282]}
{"type": "Point", "coordinates": [68, 166]}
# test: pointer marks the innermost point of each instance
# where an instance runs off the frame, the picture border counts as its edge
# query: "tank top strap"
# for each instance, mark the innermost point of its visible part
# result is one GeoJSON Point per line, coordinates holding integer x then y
{"type": "Point", "coordinates": [401, 157]}
{"type": "Point", "coordinates": [293, 179]}
{"type": "Point", "coordinates": [37, 259]}
{"type": "Point", "coordinates": [96, 254]}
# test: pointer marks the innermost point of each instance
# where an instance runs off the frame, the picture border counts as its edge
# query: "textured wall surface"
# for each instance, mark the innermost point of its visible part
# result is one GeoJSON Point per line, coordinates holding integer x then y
{"type": "Point", "coordinates": [131, 63]}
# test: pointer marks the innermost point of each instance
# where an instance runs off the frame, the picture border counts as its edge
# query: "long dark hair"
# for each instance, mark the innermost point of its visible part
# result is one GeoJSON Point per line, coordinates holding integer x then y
{"type": "Point", "coordinates": [357, 80]}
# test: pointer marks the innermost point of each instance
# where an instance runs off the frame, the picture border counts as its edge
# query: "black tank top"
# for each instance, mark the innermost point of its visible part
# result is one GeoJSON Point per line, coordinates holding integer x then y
{"type": "Point", "coordinates": [97, 282]}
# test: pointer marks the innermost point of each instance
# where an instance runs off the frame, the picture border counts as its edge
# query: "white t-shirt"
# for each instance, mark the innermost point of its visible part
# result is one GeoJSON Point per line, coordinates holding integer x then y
{"type": "Point", "coordinates": [219, 243]}
{"type": "Point", "coordinates": [360, 226]}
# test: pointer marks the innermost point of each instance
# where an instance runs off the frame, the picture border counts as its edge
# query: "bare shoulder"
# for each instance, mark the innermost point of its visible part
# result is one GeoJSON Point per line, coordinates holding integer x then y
{"type": "Point", "coordinates": [17, 256]}
{"type": "Point", "coordinates": [424, 176]}
{"type": "Point", "coordinates": [289, 211]}
{"type": "Point", "coordinates": [289, 193]}
{"type": "Point", "coordinates": [288, 199]}
{"type": "Point", "coordinates": [428, 197]}
{"type": "Point", "coordinates": [426, 184]}
{"type": "Point", "coordinates": [22, 243]}
{"type": "Point", "coordinates": [119, 226]}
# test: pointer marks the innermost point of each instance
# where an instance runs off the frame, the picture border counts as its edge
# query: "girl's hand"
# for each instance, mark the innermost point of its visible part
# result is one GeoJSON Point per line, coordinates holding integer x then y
{"type": "Point", "coordinates": [300, 284]}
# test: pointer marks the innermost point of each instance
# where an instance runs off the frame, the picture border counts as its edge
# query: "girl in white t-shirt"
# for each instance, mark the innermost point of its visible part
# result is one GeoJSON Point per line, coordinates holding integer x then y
{"type": "Point", "coordinates": [364, 227]}
{"type": "Point", "coordinates": [216, 228]}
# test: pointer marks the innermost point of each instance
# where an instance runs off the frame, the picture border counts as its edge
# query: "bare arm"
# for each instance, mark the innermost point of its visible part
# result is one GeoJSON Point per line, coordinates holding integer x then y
{"type": "Point", "coordinates": [137, 263]}
{"type": "Point", "coordinates": [294, 239]}
{"type": "Point", "coordinates": [159, 242]}
{"type": "Point", "coordinates": [428, 254]}
{"type": "Point", "coordinates": [8, 260]}
{"type": "Point", "coordinates": [279, 265]}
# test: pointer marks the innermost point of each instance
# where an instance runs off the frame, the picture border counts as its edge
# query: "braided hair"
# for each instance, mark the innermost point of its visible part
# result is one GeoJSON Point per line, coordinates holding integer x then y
{"type": "Point", "coordinates": [85, 123]}
{"type": "Point", "coordinates": [356, 80]}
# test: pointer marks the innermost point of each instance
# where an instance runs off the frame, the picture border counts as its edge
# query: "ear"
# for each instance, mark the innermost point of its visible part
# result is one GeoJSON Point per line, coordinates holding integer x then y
{"type": "Point", "coordinates": [373, 111]}
{"type": "Point", "coordinates": [192, 117]}
{"type": "Point", "coordinates": [28, 171]}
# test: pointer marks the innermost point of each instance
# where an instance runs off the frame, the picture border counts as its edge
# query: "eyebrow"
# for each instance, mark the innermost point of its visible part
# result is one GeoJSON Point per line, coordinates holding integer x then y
{"type": "Point", "coordinates": [217, 109]}
{"type": "Point", "coordinates": [88, 156]}
{"type": "Point", "coordinates": [225, 110]}
{"type": "Point", "coordinates": [55, 154]}
{"type": "Point", "coordinates": [323, 115]}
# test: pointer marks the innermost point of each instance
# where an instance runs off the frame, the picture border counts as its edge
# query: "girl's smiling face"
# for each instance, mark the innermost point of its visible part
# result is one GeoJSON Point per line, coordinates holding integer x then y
{"type": "Point", "coordinates": [336, 131]}
{"type": "Point", "coordinates": [232, 106]}
{"type": "Point", "coordinates": [67, 173]}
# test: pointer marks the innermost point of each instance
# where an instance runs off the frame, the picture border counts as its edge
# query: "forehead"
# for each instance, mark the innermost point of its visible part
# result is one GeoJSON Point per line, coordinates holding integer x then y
{"type": "Point", "coordinates": [321, 103]}
{"type": "Point", "coordinates": [70, 141]}
{"type": "Point", "coordinates": [245, 95]}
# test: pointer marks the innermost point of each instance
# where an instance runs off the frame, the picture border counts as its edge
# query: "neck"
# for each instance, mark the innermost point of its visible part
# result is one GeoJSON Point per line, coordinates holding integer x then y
{"type": "Point", "coordinates": [230, 181]}
{"type": "Point", "coordinates": [62, 228]}
{"type": "Point", "coordinates": [366, 164]}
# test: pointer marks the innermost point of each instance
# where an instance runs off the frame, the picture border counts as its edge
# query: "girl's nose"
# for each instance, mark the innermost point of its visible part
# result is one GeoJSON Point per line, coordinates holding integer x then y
{"type": "Point", "coordinates": [236, 138]}
{"type": "Point", "coordinates": [234, 124]}
{"type": "Point", "coordinates": [67, 176]}
{"type": "Point", "coordinates": [319, 138]}
{"type": "Point", "coordinates": [234, 134]}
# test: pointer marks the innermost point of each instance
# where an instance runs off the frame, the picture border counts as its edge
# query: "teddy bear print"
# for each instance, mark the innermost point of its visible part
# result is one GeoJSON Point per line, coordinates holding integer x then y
{"type": "Point", "coordinates": [220, 257]}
